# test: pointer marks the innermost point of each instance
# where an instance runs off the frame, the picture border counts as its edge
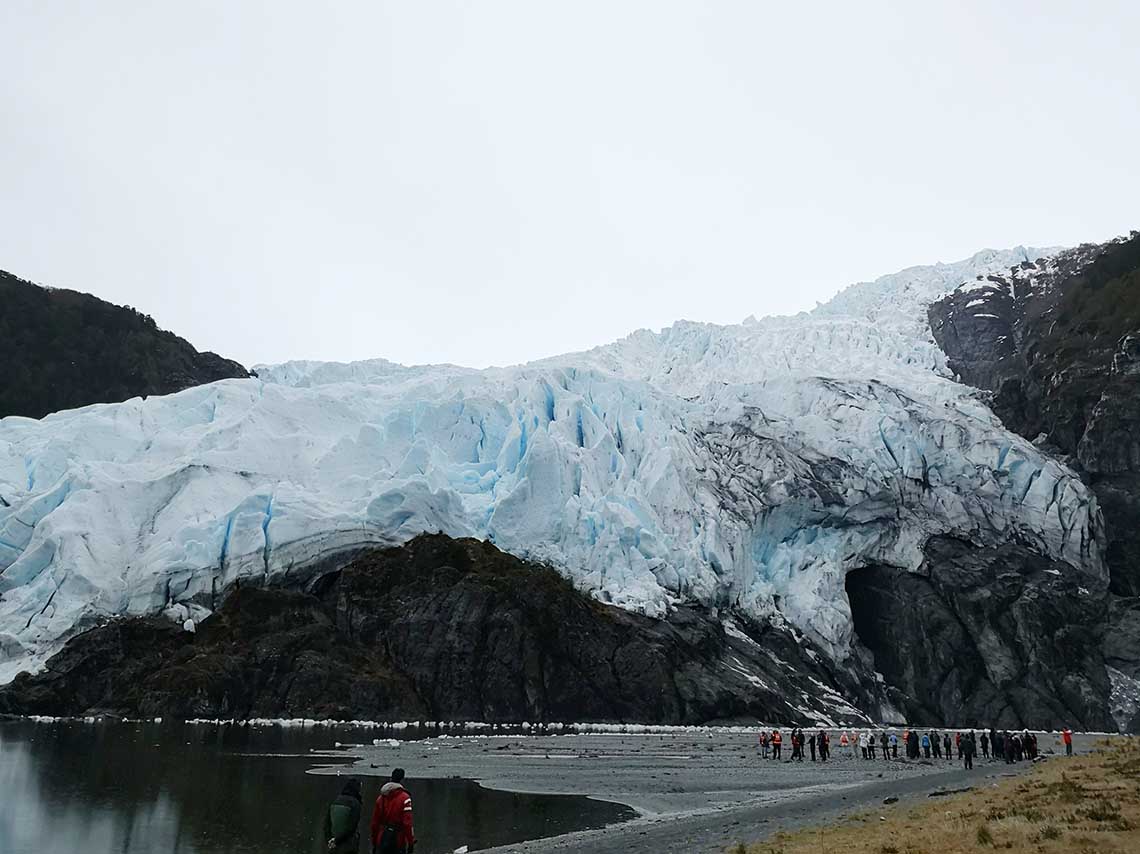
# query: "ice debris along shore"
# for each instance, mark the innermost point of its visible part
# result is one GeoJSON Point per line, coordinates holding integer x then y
{"type": "Point", "coordinates": [746, 466]}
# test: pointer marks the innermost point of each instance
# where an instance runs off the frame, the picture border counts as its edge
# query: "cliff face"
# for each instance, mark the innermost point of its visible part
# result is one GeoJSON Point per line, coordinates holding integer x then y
{"type": "Point", "coordinates": [439, 629]}
{"type": "Point", "coordinates": [981, 635]}
{"type": "Point", "coordinates": [1057, 343]}
{"type": "Point", "coordinates": [62, 350]}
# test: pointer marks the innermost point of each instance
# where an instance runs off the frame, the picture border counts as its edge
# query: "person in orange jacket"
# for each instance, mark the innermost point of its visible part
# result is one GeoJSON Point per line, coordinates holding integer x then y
{"type": "Point", "coordinates": [392, 831]}
{"type": "Point", "coordinates": [777, 740]}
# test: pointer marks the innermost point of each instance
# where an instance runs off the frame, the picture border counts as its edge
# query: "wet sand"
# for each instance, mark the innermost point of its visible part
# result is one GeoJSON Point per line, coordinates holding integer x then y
{"type": "Point", "coordinates": [700, 791]}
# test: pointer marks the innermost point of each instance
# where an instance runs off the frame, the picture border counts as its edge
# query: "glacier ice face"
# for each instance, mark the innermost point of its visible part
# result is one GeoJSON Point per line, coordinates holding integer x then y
{"type": "Point", "coordinates": [745, 466]}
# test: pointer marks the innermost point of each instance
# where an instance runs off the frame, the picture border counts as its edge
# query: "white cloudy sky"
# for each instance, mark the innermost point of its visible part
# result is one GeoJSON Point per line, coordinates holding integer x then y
{"type": "Point", "coordinates": [489, 182]}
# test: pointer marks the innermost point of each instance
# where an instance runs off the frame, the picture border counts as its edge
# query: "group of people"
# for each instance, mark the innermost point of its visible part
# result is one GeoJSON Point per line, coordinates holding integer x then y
{"type": "Point", "coordinates": [819, 743]}
{"type": "Point", "coordinates": [964, 746]}
{"type": "Point", "coordinates": [391, 830]}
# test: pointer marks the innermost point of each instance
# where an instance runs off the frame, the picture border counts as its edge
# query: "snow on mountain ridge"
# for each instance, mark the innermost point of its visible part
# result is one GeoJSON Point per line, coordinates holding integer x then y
{"type": "Point", "coordinates": [738, 466]}
{"type": "Point", "coordinates": [874, 329]}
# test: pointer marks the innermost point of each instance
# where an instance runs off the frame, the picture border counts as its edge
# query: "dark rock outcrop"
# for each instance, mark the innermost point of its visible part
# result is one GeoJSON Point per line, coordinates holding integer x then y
{"type": "Point", "coordinates": [63, 349]}
{"type": "Point", "coordinates": [440, 629]}
{"type": "Point", "coordinates": [987, 637]}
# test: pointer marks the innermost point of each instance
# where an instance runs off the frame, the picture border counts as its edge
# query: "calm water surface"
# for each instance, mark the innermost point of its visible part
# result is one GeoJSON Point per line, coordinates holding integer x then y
{"type": "Point", "coordinates": [116, 788]}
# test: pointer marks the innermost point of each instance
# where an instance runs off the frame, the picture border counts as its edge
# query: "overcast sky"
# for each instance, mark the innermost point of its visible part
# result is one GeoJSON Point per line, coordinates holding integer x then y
{"type": "Point", "coordinates": [491, 182]}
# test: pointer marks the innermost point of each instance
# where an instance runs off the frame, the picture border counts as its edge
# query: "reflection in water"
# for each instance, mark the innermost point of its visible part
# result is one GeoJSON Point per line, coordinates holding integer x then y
{"type": "Point", "coordinates": [146, 789]}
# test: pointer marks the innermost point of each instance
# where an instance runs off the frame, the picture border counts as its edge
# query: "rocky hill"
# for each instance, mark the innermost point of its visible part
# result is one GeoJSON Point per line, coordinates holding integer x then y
{"type": "Point", "coordinates": [438, 629]}
{"type": "Point", "coordinates": [1057, 343]}
{"type": "Point", "coordinates": [62, 349]}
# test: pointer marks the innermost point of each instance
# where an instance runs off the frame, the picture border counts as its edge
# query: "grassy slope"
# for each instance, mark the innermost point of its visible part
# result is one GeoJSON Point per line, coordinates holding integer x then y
{"type": "Point", "coordinates": [1085, 805]}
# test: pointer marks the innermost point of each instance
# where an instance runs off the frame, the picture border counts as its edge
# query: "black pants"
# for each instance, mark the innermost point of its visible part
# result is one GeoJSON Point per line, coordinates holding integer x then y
{"type": "Point", "coordinates": [968, 760]}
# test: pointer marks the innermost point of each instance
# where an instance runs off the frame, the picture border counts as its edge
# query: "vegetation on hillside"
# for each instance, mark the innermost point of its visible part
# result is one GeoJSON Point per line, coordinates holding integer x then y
{"type": "Point", "coordinates": [1099, 306]}
{"type": "Point", "coordinates": [62, 349]}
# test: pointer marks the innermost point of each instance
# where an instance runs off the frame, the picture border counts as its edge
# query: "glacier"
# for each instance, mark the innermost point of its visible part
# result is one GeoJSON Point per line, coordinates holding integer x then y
{"type": "Point", "coordinates": [746, 467]}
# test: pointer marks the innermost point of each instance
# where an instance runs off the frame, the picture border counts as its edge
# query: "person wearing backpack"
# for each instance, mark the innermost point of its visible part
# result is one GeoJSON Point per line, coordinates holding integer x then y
{"type": "Point", "coordinates": [342, 820]}
{"type": "Point", "coordinates": [392, 831]}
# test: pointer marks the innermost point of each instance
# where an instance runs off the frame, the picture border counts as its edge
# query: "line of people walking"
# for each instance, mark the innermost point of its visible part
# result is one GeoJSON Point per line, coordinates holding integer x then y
{"type": "Point", "coordinates": [962, 746]}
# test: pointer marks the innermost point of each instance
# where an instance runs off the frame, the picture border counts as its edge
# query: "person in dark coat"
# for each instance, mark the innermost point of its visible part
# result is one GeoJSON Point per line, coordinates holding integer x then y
{"type": "Point", "coordinates": [947, 746]}
{"type": "Point", "coordinates": [811, 745]}
{"type": "Point", "coordinates": [985, 745]}
{"type": "Point", "coordinates": [966, 749]}
{"type": "Point", "coordinates": [342, 820]}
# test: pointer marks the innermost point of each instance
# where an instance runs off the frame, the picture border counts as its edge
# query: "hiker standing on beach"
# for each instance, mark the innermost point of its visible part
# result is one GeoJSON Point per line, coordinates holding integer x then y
{"type": "Point", "coordinates": [342, 820]}
{"type": "Point", "coordinates": [392, 831]}
{"type": "Point", "coordinates": [894, 746]}
{"type": "Point", "coordinates": [926, 744]}
{"type": "Point", "coordinates": [883, 744]}
{"type": "Point", "coordinates": [764, 743]}
{"type": "Point", "coordinates": [966, 751]}
{"type": "Point", "coordinates": [777, 739]}
{"type": "Point", "coordinates": [1067, 738]}
{"type": "Point", "coordinates": [985, 745]}
{"type": "Point", "coordinates": [947, 749]}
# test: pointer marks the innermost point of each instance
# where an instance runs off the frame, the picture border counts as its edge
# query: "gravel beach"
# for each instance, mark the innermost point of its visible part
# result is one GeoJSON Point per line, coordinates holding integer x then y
{"type": "Point", "coordinates": [700, 791]}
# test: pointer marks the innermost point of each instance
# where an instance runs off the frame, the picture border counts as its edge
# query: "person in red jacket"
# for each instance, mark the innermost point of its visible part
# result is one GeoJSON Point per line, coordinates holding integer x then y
{"type": "Point", "coordinates": [392, 831]}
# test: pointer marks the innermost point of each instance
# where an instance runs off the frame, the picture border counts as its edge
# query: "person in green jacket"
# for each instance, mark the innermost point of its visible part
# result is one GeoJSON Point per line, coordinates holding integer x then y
{"type": "Point", "coordinates": [342, 820]}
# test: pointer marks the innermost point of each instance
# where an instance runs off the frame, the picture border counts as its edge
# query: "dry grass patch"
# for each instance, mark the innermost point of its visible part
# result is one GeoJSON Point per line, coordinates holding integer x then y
{"type": "Point", "coordinates": [1084, 805]}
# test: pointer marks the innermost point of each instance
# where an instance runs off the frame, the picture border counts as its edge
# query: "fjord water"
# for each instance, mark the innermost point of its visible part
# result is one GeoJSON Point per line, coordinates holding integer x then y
{"type": "Point", "coordinates": [154, 788]}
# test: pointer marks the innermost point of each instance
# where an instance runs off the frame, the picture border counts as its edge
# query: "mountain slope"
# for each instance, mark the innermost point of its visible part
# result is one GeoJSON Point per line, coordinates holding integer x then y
{"type": "Point", "coordinates": [63, 349]}
{"type": "Point", "coordinates": [1058, 345]}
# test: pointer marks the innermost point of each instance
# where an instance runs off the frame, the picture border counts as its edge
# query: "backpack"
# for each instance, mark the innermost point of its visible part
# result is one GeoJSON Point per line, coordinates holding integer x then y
{"type": "Point", "coordinates": [388, 840]}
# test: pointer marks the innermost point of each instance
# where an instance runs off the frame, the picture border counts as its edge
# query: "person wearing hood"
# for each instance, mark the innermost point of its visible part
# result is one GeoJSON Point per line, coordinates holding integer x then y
{"type": "Point", "coordinates": [392, 831]}
{"type": "Point", "coordinates": [342, 820]}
